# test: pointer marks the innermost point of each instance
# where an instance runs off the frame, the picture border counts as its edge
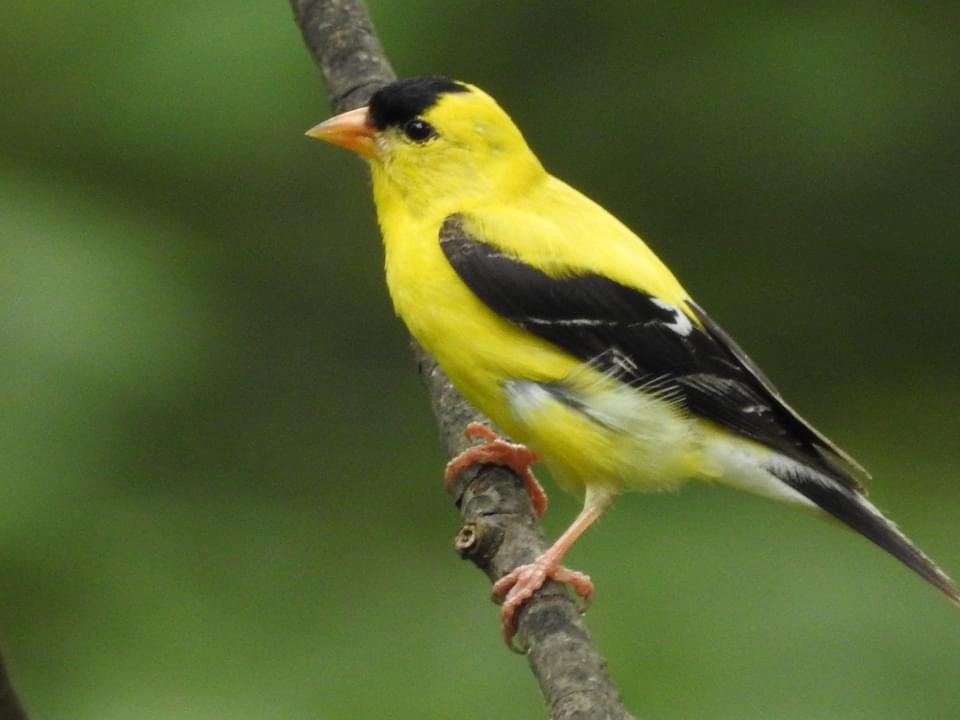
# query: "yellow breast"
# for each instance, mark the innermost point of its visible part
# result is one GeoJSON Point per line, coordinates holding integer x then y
{"type": "Point", "coordinates": [484, 354]}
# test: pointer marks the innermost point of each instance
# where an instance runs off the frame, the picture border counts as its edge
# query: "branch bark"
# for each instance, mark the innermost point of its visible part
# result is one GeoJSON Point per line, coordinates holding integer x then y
{"type": "Point", "coordinates": [500, 530]}
{"type": "Point", "coordinates": [10, 707]}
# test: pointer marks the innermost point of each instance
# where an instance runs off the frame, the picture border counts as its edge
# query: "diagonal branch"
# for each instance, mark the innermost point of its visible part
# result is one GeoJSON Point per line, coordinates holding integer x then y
{"type": "Point", "coordinates": [10, 707]}
{"type": "Point", "coordinates": [500, 530]}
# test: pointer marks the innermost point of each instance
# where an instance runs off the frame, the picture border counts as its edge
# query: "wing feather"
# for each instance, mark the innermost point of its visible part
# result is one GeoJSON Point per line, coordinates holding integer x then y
{"type": "Point", "coordinates": [601, 321]}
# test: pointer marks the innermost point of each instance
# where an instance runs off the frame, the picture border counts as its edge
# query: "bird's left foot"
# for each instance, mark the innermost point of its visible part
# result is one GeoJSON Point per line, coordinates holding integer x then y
{"type": "Point", "coordinates": [517, 587]}
{"type": "Point", "coordinates": [496, 451]}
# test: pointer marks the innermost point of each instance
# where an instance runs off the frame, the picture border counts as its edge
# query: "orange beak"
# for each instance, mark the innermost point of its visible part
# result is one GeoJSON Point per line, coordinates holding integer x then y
{"type": "Point", "coordinates": [351, 130]}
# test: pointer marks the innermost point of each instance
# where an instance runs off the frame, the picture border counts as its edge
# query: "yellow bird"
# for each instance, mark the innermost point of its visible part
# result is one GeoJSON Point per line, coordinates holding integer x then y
{"type": "Point", "coordinates": [562, 326]}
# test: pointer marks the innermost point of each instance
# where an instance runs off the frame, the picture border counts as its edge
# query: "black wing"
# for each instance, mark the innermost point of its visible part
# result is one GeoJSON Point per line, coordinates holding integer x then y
{"type": "Point", "coordinates": [589, 315]}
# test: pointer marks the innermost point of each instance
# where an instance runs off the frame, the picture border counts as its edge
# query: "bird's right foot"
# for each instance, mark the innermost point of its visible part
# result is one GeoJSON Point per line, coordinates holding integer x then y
{"type": "Point", "coordinates": [497, 451]}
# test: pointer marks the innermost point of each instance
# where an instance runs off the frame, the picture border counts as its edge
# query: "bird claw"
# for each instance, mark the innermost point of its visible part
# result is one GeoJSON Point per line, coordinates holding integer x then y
{"type": "Point", "coordinates": [516, 587]}
{"type": "Point", "coordinates": [496, 451]}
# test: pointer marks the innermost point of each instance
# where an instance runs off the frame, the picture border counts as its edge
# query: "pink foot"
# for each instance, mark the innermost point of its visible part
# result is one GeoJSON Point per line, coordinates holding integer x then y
{"type": "Point", "coordinates": [519, 586]}
{"type": "Point", "coordinates": [495, 451]}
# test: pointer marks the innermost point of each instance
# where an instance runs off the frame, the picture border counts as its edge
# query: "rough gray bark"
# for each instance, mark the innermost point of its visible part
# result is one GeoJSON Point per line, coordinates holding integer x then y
{"type": "Point", "coordinates": [500, 530]}
{"type": "Point", "coordinates": [10, 707]}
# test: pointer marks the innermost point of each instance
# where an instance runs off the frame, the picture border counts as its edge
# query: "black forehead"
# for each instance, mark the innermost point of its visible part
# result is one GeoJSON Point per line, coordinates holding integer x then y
{"type": "Point", "coordinates": [406, 99]}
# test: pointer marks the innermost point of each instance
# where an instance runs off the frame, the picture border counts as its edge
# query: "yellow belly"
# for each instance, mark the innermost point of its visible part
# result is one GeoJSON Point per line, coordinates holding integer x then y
{"type": "Point", "coordinates": [482, 354]}
{"type": "Point", "coordinates": [656, 447]}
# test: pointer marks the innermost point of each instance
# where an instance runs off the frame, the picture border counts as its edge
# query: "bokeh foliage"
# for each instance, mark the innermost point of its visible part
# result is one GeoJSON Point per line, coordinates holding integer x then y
{"type": "Point", "coordinates": [220, 480]}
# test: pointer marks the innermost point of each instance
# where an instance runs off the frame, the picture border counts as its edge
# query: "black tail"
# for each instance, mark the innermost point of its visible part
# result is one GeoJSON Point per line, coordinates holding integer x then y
{"type": "Point", "coordinates": [854, 510]}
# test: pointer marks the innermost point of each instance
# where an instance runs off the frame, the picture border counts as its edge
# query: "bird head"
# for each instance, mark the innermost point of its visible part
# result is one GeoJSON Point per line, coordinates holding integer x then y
{"type": "Point", "coordinates": [435, 142]}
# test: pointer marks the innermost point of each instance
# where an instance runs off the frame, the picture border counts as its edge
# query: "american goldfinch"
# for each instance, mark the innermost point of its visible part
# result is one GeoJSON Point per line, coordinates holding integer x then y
{"type": "Point", "coordinates": [563, 327]}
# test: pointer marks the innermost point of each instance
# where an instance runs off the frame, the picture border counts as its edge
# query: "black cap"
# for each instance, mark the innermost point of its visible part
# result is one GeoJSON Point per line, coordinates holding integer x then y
{"type": "Point", "coordinates": [406, 99]}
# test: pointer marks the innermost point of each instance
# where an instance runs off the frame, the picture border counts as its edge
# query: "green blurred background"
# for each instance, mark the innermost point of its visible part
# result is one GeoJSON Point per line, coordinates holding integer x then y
{"type": "Point", "coordinates": [220, 491]}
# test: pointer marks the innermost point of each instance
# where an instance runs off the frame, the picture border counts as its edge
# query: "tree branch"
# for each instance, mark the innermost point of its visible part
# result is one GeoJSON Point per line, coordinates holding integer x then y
{"type": "Point", "coordinates": [10, 707]}
{"type": "Point", "coordinates": [500, 530]}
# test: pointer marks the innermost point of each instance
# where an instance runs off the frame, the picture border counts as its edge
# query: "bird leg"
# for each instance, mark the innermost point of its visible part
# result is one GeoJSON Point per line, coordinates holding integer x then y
{"type": "Point", "coordinates": [519, 585]}
{"type": "Point", "coordinates": [496, 451]}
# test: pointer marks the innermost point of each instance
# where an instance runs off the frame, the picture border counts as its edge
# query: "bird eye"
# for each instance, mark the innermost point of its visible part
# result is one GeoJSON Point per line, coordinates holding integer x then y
{"type": "Point", "coordinates": [418, 130]}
